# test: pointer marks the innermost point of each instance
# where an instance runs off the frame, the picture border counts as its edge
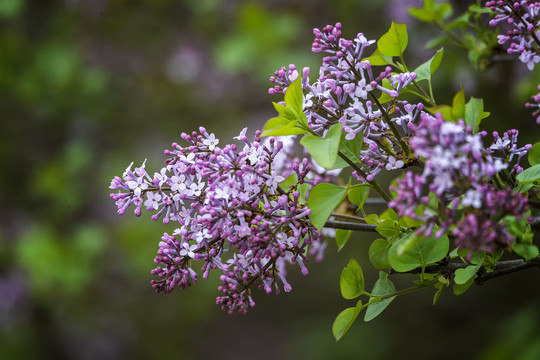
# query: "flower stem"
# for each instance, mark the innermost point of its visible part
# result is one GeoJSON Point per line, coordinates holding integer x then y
{"type": "Point", "coordinates": [373, 183]}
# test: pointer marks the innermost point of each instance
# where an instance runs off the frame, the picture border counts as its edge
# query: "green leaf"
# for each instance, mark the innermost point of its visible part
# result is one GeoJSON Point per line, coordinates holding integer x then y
{"type": "Point", "coordinates": [322, 200]}
{"type": "Point", "coordinates": [372, 219]}
{"type": "Point", "coordinates": [437, 41]}
{"type": "Point", "coordinates": [358, 195]}
{"type": "Point", "coordinates": [461, 288]}
{"type": "Point", "coordinates": [394, 42]}
{"type": "Point", "coordinates": [351, 282]}
{"type": "Point", "coordinates": [383, 286]}
{"type": "Point", "coordinates": [432, 11]}
{"type": "Point", "coordinates": [378, 253]}
{"type": "Point", "coordinates": [342, 237]}
{"type": "Point", "coordinates": [458, 106]}
{"type": "Point", "coordinates": [291, 119]}
{"type": "Point", "coordinates": [520, 229]}
{"type": "Point", "coordinates": [426, 251]}
{"type": "Point", "coordinates": [345, 319]}
{"type": "Point", "coordinates": [388, 228]}
{"type": "Point", "coordinates": [445, 110]}
{"type": "Point", "coordinates": [534, 154]}
{"type": "Point", "coordinates": [294, 96]}
{"type": "Point", "coordinates": [428, 68]}
{"type": "Point", "coordinates": [438, 294]}
{"type": "Point", "coordinates": [422, 14]}
{"type": "Point", "coordinates": [303, 190]}
{"type": "Point", "coordinates": [324, 150]}
{"type": "Point", "coordinates": [526, 251]}
{"type": "Point", "coordinates": [462, 276]}
{"type": "Point", "coordinates": [529, 175]}
{"type": "Point", "coordinates": [407, 242]}
{"type": "Point", "coordinates": [378, 59]}
{"type": "Point", "coordinates": [352, 148]}
{"type": "Point", "coordinates": [286, 112]}
{"type": "Point", "coordinates": [389, 214]}
{"type": "Point", "coordinates": [279, 126]}
{"type": "Point", "coordinates": [289, 181]}
{"type": "Point", "coordinates": [474, 113]}
{"type": "Point", "coordinates": [407, 221]}
{"type": "Point", "coordinates": [460, 22]}
{"type": "Point", "coordinates": [480, 9]}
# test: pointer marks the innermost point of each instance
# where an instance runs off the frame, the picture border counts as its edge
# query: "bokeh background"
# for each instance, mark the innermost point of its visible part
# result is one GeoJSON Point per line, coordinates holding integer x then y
{"type": "Point", "coordinates": [86, 87]}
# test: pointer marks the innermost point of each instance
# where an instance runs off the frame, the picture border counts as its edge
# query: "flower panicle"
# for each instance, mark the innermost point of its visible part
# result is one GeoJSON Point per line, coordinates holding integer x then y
{"type": "Point", "coordinates": [225, 200]}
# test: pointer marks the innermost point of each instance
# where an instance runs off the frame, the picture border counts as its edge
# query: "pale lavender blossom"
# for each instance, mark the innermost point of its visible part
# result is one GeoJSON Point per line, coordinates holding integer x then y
{"type": "Point", "coordinates": [224, 200]}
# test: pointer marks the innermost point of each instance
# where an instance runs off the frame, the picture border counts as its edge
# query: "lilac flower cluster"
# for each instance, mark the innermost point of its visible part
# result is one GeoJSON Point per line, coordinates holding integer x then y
{"type": "Point", "coordinates": [535, 104]}
{"type": "Point", "coordinates": [523, 36]}
{"type": "Point", "coordinates": [225, 200]}
{"type": "Point", "coordinates": [461, 173]}
{"type": "Point", "coordinates": [345, 93]}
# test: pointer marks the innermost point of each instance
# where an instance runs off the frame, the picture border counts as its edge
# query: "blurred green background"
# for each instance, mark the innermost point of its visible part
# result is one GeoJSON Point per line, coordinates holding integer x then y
{"type": "Point", "coordinates": [89, 86]}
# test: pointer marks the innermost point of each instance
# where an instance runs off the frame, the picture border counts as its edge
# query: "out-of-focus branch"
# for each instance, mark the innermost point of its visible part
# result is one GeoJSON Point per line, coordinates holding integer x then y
{"type": "Point", "coordinates": [501, 268]}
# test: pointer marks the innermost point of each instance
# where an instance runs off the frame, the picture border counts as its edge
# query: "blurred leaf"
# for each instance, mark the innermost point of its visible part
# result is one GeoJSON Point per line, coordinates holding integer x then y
{"type": "Point", "coordinates": [459, 289]}
{"type": "Point", "coordinates": [534, 154]}
{"type": "Point", "coordinates": [56, 267]}
{"type": "Point", "coordinates": [529, 175]}
{"type": "Point", "coordinates": [345, 319]}
{"type": "Point", "coordinates": [378, 253]}
{"type": "Point", "coordinates": [458, 106]}
{"type": "Point", "coordinates": [526, 251]}
{"type": "Point", "coordinates": [388, 228]}
{"type": "Point", "coordinates": [11, 8]}
{"type": "Point", "coordinates": [358, 195]}
{"type": "Point", "coordinates": [342, 237]}
{"type": "Point", "coordinates": [437, 294]}
{"type": "Point", "coordinates": [432, 11]}
{"type": "Point", "coordinates": [437, 41]}
{"type": "Point", "coordinates": [462, 276]}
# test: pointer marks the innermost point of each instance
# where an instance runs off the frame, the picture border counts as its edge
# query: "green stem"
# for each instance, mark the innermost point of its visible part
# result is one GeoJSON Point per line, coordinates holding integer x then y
{"type": "Point", "coordinates": [427, 97]}
{"type": "Point", "coordinates": [374, 184]}
{"type": "Point", "coordinates": [431, 92]}
{"type": "Point", "coordinates": [421, 96]}
{"type": "Point", "coordinates": [350, 217]}
{"type": "Point", "coordinates": [450, 34]}
{"type": "Point", "coordinates": [390, 124]}
{"type": "Point", "coordinates": [377, 298]}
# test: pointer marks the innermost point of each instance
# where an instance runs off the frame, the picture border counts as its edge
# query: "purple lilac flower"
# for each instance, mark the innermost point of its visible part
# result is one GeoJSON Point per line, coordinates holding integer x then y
{"type": "Point", "coordinates": [460, 172]}
{"type": "Point", "coordinates": [344, 92]}
{"type": "Point", "coordinates": [506, 148]}
{"type": "Point", "coordinates": [454, 155]}
{"type": "Point", "coordinates": [225, 200]}
{"type": "Point", "coordinates": [535, 104]}
{"type": "Point", "coordinates": [481, 227]}
{"type": "Point", "coordinates": [524, 19]}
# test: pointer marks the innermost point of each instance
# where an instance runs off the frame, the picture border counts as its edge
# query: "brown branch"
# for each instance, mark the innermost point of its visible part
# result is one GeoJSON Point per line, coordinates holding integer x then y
{"type": "Point", "coordinates": [348, 225]}
{"type": "Point", "coordinates": [501, 268]}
